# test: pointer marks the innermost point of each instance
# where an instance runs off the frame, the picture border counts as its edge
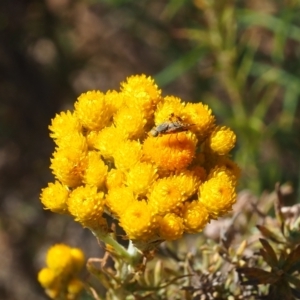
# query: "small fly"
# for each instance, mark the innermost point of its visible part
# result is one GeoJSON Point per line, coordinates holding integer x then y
{"type": "Point", "coordinates": [174, 125]}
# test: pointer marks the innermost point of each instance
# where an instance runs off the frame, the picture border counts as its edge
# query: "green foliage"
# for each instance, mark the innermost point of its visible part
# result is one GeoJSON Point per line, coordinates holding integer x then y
{"type": "Point", "coordinates": [252, 57]}
{"type": "Point", "coordinates": [236, 262]}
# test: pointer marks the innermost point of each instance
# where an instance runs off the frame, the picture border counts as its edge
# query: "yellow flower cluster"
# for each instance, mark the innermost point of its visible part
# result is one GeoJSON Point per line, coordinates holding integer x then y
{"type": "Point", "coordinates": [59, 278]}
{"type": "Point", "coordinates": [158, 165]}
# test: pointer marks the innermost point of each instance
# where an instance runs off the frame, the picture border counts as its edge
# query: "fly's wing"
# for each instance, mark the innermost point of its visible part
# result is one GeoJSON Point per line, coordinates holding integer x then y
{"type": "Point", "coordinates": [176, 127]}
{"type": "Point", "coordinates": [162, 128]}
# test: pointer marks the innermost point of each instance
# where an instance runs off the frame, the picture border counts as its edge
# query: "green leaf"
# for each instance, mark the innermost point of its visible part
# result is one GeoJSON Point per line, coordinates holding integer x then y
{"type": "Point", "coordinates": [276, 25]}
{"type": "Point", "coordinates": [280, 291]}
{"type": "Point", "coordinates": [172, 8]}
{"type": "Point", "coordinates": [296, 293]}
{"type": "Point", "coordinates": [269, 254]}
{"type": "Point", "coordinates": [293, 280]}
{"type": "Point", "coordinates": [288, 81]}
{"type": "Point", "coordinates": [292, 262]}
{"type": "Point", "coordinates": [179, 67]}
{"type": "Point", "coordinates": [268, 234]}
{"type": "Point", "coordinates": [257, 276]}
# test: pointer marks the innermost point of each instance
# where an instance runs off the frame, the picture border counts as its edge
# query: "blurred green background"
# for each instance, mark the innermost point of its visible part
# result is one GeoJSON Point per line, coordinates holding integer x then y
{"type": "Point", "coordinates": [240, 57]}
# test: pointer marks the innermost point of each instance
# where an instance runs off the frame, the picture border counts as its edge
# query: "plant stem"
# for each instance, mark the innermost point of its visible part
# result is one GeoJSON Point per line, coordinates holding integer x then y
{"type": "Point", "coordinates": [118, 248]}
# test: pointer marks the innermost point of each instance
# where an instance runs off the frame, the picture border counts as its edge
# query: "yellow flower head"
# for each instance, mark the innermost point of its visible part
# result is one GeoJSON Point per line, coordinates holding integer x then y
{"type": "Point", "coordinates": [74, 142]}
{"type": "Point", "coordinates": [64, 124]}
{"type": "Point", "coordinates": [189, 181]}
{"type": "Point", "coordinates": [96, 171]}
{"type": "Point", "coordinates": [170, 227]}
{"type": "Point", "coordinates": [141, 92]}
{"type": "Point", "coordinates": [86, 205]}
{"type": "Point", "coordinates": [170, 105]}
{"type": "Point", "coordinates": [127, 155]}
{"type": "Point", "coordinates": [115, 178]}
{"type": "Point", "coordinates": [68, 166]}
{"type": "Point", "coordinates": [108, 141]}
{"type": "Point", "coordinates": [221, 169]}
{"type": "Point", "coordinates": [195, 216]}
{"type": "Point", "coordinates": [59, 259]}
{"type": "Point", "coordinates": [218, 194]}
{"type": "Point", "coordinates": [158, 165]}
{"type": "Point", "coordinates": [114, 100]}
{"type": "Point", "coordinates": [92, 110]}
{"type": "Point", "coordinates": [171, 151]}
{"type": "Point", "coordinates": [140, 177]}
{"type": "Point", "coordinates": [91, 138]}
{"type": "Point", "coordinates": [131, 120]}
{"type": "Point", "coordinates": [63, 264]}
{"type": "Point", "coordinates": [47, 278]}
{"type": "Point", "coordinates": [78, 259]}
{"type": "Point", "coordinates": [54, 197]}
{"type": "Point", "coordinates": [138, 221]}
{"type": "Point", "coordinates": [221, 140]}
{"type": "Point", "coordinates": [119, 199]}
{"type": "Point", "coordinates": [75, 286]}
{"type": "Point", "coordinates": [168, 193]}
{"type": "Point", "coordinates": [229, 166]}
{"type": "Point", "coordinates": [200, 115]}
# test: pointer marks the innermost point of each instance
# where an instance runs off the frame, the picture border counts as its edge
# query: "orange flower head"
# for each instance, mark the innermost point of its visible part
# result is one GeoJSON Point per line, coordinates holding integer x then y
{"type": "Point", "coordinates": [199, 172]}
{"type": "Point", "coordinates": [171, 151]}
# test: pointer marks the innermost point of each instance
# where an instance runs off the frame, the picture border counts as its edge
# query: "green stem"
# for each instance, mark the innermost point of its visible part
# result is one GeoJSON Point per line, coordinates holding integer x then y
{"type": "Point", "coordinates": [130, 256]}
{"type": "Point", "coordinates": [118, 248]}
